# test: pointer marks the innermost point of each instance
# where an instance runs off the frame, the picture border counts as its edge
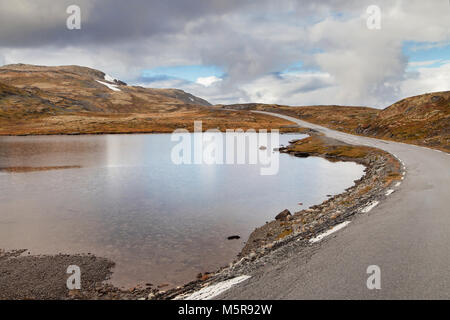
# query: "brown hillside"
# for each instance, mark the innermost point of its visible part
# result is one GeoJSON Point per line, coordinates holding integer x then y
{"type": "Point", "coordinates": [79, 100]}
{"type": "Point", "coordinates": [77, 89]}
{"type": "Point", "coordinates": [422, 120]}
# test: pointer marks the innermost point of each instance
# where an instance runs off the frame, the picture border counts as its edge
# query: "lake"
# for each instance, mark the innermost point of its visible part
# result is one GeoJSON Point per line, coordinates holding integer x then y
{"type": "Point", "coordinates": [160, 222]}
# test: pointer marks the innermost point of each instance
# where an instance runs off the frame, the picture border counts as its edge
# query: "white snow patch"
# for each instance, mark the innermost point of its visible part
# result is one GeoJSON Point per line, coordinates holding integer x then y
{"type": "Point", "coordinates": [327, 233]}
{"type": "Point", "coordinates": [398, 184]}
{"type": "Point", "coordinates": [210, 292]}
{"type": "Point", "coordinates": [389, 191]}
{"type": "Point", "coordinates": [110, 86]}
{"type": "Point", "coordinates": [369, 207]}
{"type": "Point", "coordinates": [109, 78]}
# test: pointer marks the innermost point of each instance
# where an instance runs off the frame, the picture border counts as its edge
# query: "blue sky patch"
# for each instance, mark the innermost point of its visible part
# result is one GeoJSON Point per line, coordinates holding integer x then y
{"type": "Point", "coordinates": [189, 72]}
{"type": "Point", "coordinates": [426, 51]}
{"type": "Point", "coordinates": [297, 67]}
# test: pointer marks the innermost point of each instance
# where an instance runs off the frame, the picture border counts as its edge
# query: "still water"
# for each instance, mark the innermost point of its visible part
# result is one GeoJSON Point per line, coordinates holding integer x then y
{"type": "Point", "coordinates": [160, 222]}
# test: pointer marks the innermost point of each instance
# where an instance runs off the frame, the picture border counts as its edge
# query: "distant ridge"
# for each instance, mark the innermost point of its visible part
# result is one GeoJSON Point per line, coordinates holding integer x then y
{"type": "Point", "coordinates": [81, 89]}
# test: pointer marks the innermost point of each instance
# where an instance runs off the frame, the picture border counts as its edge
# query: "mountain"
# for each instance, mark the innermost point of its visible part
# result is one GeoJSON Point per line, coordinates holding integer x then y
{"type": "Point", "coordinates": [81, 89]}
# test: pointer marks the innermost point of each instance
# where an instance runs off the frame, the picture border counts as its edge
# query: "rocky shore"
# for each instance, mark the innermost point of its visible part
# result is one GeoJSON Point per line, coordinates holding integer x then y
{"type": "Point", "coordinates": [291, 232]}
{"type": "Point", "coordinates": [44, 277]}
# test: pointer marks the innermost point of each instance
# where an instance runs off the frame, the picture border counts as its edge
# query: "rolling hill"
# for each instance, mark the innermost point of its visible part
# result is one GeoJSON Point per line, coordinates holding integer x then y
{"type": "Point", "coordinates": [423, 120]}
{"type": "Point", "coordinates": [81, 100]}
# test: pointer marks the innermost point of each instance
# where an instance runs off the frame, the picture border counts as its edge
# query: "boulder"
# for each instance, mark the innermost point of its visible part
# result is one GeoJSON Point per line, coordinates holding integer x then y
{"type": "Point", "coordinates": [283, 215]}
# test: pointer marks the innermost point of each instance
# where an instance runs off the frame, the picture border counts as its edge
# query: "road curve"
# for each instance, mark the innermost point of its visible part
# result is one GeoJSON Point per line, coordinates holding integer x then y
{"type": "Point", "coordinates": [407, 236]}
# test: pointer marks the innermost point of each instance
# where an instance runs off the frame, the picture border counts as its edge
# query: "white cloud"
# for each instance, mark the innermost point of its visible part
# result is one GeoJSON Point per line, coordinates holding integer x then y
{"type": "Point", "coordinates": [292, 89]}
{"type": "Point", "coordinates": [414, 64]}
{"type": "Point", "coordinates": [426, 80]}
{"type": "Point", "coordinates": [207, 81]}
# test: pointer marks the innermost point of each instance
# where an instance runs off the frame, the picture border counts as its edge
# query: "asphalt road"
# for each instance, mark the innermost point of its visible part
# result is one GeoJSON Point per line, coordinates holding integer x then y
{"type": "Point", "coordinates": [407, 236]}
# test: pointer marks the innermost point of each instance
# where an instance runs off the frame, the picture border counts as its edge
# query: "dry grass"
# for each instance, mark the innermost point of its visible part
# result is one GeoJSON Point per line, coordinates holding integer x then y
{"type": "Point", "coordinates": [321, 145]}
{"type": "Point", "coordinates": [156, 122]}
{"type": "Point", "coordinates": [70, 100]}
{"type": "Point", "coordinates": [285, 233]}
{"type": "Point", "coordinates": [422, 120]}
{"type": "Point", "coordinates": [335, 117]}
{"type": "Point", "coordinates": [32, 169]}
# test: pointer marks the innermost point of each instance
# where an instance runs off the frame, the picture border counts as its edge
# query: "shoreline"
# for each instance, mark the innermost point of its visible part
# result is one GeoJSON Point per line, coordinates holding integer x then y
{"type": "Point", "coordinates": [288, 129]}
{"type": "Point", "coordinates": [267, 239]}
{"type": "Point", "coordinates": [382, 169]}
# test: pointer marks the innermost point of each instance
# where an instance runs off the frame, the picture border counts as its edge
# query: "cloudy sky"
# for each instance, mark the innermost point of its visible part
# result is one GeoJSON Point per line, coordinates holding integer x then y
{"type": "Point", "coordinates": [235, 51]}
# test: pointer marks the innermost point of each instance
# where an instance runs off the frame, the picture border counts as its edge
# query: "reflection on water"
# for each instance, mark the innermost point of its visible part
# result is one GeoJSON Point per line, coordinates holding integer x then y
{"type": "Point", "coordinates": [159, 222]}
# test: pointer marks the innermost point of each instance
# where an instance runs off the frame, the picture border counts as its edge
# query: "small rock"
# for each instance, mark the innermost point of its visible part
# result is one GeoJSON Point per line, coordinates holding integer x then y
{"type": "Point", "coordinates": [283, 215]}
{"type": "Point", "coordinates": [269, 246]}
{"type": "Point", "coordinates": [435, 98]}
{"type": "Point", "coordinates": [233, 237]}
{"type": "Point", "coordinates": [301, 154]}
{"type": "Point", "coordinates": [204, 277]}
{"type": "Point", "coordinates": [74, 294]}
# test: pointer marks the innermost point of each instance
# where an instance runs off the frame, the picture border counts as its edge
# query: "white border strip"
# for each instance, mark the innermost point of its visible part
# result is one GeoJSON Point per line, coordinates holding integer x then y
{"type": "Point", "coordinates": [369, 207]}
{"type": "Point", "coordinates": [327, 233]}
{"type": "Point", "coordinates": [214, 290]}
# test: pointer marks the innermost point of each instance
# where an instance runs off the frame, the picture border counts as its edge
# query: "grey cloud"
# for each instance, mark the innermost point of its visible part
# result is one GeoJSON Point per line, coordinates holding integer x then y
{"type": "Point", "coordinates": [248, 39]}
{"type": "Point", "coordinates": [314, 84]}
{"type": "Point", "coordinates": [27, 23]}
